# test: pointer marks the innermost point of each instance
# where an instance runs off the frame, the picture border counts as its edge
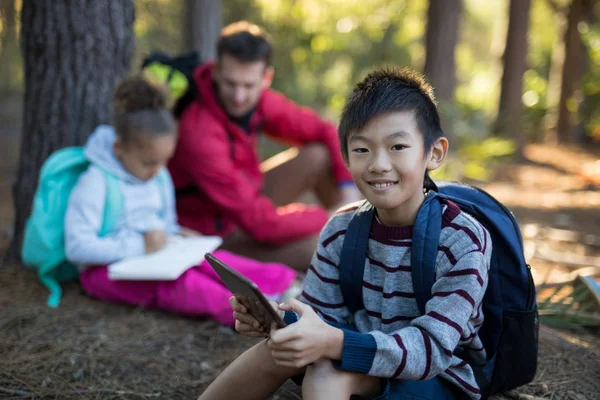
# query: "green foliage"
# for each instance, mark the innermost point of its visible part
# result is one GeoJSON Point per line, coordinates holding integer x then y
{"type": "Point", "coordinates": [591, 81]}
{"type": "Point", "coordinates": [474, 154]}
{"type": "Point", "coordinates": [324, 47]}
{"type": "Point", "coordinates": [158, 26]}
{"type": "Point", "coordinates": [478, 67]}
{"type": "Point", "coordinates": [475, 160]}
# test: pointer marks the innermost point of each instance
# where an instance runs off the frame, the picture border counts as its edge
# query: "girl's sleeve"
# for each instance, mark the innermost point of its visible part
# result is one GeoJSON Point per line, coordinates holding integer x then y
{"type": "Point", "coordinates": [83, 221]}
{"type": "Point", "coordinates": [322, 283]}
{"type": "Point", "coordinates": [170, 212]}
{"type": "Point", "coordinates": [424, 349]}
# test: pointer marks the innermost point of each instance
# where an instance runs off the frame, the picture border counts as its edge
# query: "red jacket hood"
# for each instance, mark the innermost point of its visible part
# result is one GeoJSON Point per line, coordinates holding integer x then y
{"type": "Point", "coordinates": [204, 81]}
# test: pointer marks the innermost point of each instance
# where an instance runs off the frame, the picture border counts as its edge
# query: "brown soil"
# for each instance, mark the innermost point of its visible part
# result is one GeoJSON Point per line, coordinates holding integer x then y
{"type": "Point", "coordinates": [88, 349]}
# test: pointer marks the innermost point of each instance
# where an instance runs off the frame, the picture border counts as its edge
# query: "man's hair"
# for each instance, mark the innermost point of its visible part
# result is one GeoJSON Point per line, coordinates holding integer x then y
{"type": "Point", "coordinates": [390, 90]}
{"type": "Point", "coordinates": [246, 42]}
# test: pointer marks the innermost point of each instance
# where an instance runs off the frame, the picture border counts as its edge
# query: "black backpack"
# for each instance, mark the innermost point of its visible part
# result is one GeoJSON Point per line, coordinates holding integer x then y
{"type": "Point", "coordinates": [510, 329]}
{"type": "Point", "coordinates": [177, 74]}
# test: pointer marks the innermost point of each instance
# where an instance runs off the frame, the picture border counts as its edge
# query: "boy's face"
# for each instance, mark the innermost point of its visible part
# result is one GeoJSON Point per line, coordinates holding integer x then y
{"type": "Point", "coordinates": [388, 161]}
{"type": "Point", "coordinates": [143, 156]}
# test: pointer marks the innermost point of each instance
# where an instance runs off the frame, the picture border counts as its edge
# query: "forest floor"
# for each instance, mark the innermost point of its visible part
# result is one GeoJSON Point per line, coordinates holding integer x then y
{"type": "Point", "coordinates": [86, 349]}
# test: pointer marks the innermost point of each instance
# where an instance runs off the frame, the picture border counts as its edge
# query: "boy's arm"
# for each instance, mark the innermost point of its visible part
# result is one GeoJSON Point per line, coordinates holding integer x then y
{"type": "Point", "coordinates": [424, 349]}
{"type": "Point", "coordinates": [83, 222]}
{"type": "Point", "coordinates": [300, 125]}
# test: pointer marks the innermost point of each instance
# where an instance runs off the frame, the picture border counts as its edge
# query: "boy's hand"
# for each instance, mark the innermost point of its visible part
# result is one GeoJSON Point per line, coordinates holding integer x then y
{"type": "Point", "coordinates": [245, 323]}
{"type": "Point", "coordinates": [155, 240]}
{"type": "Point", "coordinates": [306, 341]}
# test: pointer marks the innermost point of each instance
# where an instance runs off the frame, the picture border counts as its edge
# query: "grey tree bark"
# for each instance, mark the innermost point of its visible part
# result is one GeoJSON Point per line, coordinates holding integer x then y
{"type": "Point", "coordinates": [440, 42]}
{"type": "Point", "coordinates": [74, 53]}
{"type": "Point", "coordinates": [510, 111]}
{"type": "Point", "coordinates": [202, 24]}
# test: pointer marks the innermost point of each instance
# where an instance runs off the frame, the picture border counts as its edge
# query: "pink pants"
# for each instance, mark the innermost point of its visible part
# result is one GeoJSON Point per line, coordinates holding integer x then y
{"type": "Point", "coordinates": [198, 292]}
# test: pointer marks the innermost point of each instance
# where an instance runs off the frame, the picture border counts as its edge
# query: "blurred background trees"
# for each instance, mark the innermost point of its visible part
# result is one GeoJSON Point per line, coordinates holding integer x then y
{"type": "Point", "coordinates": [497, 66]}
{"type": "Point", "coordinates": [465, 47]}
{"type": "Point", "coordinates": [514, 63]}
{"type": "Point", "coordinates": [441, 37]}
{"type": "Point", "coordinates": [528, 70]}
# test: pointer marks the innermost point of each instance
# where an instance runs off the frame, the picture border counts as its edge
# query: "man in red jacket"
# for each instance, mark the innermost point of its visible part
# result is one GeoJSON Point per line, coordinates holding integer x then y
{"type": "Point", "coordinates": [223, 189]}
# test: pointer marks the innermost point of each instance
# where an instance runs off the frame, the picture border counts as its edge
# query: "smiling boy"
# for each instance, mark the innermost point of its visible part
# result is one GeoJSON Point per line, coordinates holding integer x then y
{"type": "Point", "coordinates": [391, 138]}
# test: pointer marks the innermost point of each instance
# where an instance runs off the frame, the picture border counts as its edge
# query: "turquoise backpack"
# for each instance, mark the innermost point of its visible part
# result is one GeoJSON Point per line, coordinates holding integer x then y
{"type": "Point", "coordinates": [44, 240]}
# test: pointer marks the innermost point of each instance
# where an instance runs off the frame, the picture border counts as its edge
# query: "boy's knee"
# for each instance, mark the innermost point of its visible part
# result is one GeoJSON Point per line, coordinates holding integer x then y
{"type": "Point", "coordinates": [321, 367]}
{"type": "Point", "coordinates": [322, 377]}
{"type": "Point", "coordinates": [319, 374]}
{"type": "Point", "coordinates": [317, 155]}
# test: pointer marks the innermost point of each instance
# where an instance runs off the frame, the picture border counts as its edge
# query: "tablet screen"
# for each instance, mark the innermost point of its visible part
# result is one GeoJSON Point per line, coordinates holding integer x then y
{"type": "Point", "coordinates": [247, 293]}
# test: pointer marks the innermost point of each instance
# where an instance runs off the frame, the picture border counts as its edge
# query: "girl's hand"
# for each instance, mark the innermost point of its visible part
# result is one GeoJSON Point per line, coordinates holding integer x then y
{"type": "Point", "coordinates": [305, 341]}
{"type": "Point", "coordinates": [245, 323]}
{"type": "Point", "coordinates": [154, 240]}
{"type": "Point", "coordinates": [186, 232]}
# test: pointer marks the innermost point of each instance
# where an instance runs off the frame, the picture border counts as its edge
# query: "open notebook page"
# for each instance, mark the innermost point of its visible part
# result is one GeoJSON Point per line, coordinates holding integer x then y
{"type": "Point", "coordinates": [169, 263]}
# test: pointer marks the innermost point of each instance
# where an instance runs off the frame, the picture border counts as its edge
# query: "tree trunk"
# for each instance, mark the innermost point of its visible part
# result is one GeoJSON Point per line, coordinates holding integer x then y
{"type": "Point", "coordinates": [440, 42]}
{"type": "Point", "coordinates": [202, 24]}
{"type": "Point", "coordinates": [573, 68]}
{"type": "Point", "coordinates": [74, 53]}
{"type": "Point", "coordinates": [510, 112]}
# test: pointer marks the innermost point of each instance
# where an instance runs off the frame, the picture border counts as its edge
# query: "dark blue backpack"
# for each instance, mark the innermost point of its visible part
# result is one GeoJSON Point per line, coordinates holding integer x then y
{"type": "Point", "coordinates": [510, 329]}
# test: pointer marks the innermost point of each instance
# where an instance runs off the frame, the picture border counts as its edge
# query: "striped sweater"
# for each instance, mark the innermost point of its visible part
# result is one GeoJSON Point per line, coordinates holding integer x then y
{"type": "Point", "coordinates": [393, 339]}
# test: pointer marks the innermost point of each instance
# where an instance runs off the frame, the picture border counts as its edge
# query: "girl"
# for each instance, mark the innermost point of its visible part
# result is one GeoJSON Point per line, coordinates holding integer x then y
{"type": "Point", "coordinates": [136, 150]}
{"type": "Point", "coordinates": [391, 137]}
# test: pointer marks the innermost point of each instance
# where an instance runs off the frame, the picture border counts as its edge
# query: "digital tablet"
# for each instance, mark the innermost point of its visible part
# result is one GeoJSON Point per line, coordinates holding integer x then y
{"type": "Point", "coordinates": [247, 293]}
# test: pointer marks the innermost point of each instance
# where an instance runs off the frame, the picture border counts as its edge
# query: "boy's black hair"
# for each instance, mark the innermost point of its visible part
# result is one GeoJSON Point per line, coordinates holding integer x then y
{"type": "Point", "coordinates": [140, 107]}
{"type": "Point", "coordinates": [389, 90]}
{"type": "Point", "coordinates": [246, 42]}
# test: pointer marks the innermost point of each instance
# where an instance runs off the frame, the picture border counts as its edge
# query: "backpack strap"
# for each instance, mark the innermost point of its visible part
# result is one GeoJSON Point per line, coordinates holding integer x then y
{"type": "Point", "coordinates": [163, 183]}
{"type": "Point", "coordinates": [113, 204]}
{"type": "Point", "coordinates": [425, 240]}
{"type": "Point", "coordinates": [424, 249]}
{"type": "Point", "coordinates": [353, 256]}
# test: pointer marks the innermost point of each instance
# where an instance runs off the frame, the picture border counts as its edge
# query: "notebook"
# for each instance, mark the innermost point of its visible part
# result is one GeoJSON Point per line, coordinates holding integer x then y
{"type": "Point", "coordinates": [179, 255]}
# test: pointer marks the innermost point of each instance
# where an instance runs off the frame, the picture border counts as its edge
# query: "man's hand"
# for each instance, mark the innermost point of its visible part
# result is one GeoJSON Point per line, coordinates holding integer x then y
{"type": "Point", "coordinates": [305, 341]}
{"type": "Point", "coordinates": [245, 323]}
{"type": "Point", "coordinates": [154, 240]}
